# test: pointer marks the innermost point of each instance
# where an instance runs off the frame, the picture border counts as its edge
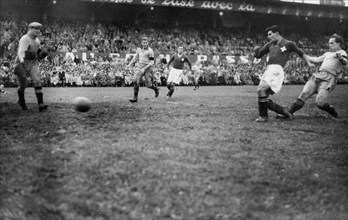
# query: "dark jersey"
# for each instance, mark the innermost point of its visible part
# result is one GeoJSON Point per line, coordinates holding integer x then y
{"type": "Point", "coordinates": [278, 53]}
{"type": "Point", "coordinates": [179, 61]}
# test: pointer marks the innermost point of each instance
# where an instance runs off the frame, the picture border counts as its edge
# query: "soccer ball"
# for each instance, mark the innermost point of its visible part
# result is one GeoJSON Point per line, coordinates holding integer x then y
{"type": "Point", "coordinates": [82, 104]}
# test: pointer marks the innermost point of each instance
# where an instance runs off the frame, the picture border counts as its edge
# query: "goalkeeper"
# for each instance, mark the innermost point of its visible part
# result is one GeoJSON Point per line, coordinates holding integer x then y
{"type": "Point", "coordinates": [29, 52]}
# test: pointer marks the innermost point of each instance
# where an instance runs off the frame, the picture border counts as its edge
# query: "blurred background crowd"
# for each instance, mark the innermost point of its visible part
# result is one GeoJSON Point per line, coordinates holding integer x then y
{"type": "Point", "coordinates": [60, 37]}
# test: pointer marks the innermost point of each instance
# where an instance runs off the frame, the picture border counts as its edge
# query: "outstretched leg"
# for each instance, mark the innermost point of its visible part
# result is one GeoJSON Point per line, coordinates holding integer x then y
{"type": "Point", "coordinates": [296, 105]}
{"type": "Point", "coordinates": [321, 101]}
{"type": "Point", "coordinates": [308, 90]}
{"type": "Point", "coordinates": [279, 109]}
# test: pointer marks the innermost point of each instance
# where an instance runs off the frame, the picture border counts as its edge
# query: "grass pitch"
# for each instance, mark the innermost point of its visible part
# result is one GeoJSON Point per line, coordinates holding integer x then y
{"type": "Point", "coordinates": [197, 156]}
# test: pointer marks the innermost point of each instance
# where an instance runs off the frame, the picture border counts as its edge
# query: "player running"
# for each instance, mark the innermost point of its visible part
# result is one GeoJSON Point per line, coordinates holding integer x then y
{"type": "Point", "coordinates": [176, 71]}
{"type": "Point", "coordinates": [324, 81]}
{"type": "Point", "coordinates": [278, 50]}
{"type": "Point", "coordinates": [144, 67]}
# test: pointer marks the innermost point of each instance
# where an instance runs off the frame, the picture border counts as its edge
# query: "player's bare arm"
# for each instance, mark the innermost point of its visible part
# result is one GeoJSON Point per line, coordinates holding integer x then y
{"type": "Point", "coordinates": [134, 59]}
{"type": "Point", "coordinates": [305, 58]}
{"type": "Point", "coordinates": [315, 59]}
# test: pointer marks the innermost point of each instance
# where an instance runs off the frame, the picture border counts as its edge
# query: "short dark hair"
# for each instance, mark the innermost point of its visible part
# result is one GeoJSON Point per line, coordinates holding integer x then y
{"type": "Point", "coordinates": [274, 28]}
{"type": "Point", "coordinates": [338, 39]}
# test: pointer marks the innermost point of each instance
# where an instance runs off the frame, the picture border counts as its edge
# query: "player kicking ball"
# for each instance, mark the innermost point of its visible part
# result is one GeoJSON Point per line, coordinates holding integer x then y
{"type": "Point", "coordinates": [278, 50]}
{"type": "Point", "coordinates": [323, 82]}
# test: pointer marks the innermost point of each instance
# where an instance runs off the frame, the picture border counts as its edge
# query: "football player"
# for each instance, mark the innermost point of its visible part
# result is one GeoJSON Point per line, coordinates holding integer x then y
{"type": "Point", "coordinates": [323, 82]}
{"type": "Point", "coordinates": [29, 52]}
{"type": "Point", "coordinates": [278, 50]}
{"type": "Point", "coordinates": [177, 60]}
{"type": "Point", "coordinates": [144, 67]}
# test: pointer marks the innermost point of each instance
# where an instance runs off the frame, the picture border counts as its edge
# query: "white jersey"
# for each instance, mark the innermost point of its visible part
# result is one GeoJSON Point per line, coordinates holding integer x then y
{"type": "Point", "coordinates": [330, 63]}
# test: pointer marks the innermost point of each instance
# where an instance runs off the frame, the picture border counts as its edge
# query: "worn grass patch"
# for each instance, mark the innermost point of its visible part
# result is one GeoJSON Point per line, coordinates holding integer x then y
{"type": "Point", "coordinates": [197, 156]}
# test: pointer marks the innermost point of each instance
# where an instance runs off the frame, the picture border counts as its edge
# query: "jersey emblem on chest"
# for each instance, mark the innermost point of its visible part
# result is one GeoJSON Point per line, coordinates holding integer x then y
{"type": "Point", "coordinates": [283, 49]}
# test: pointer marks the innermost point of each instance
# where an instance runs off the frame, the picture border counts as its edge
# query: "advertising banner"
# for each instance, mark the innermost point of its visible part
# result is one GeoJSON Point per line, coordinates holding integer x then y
{"type": "Point", "coordinates": [305, 10]}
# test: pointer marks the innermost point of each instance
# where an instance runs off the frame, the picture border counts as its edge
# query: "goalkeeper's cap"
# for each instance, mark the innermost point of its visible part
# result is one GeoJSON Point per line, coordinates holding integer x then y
{"type": "Point", "coordinates": [35, 25]}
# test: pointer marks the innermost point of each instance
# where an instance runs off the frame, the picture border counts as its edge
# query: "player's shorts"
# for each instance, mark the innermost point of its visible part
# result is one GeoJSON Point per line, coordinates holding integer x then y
{"type": "Point", "coordinates": [174, 76]}
{"type": "Point", "coordinates": [327, 80]}
{"type": "Point", "coordinates": [138, 75]}
{"type": "Point", "coordinates": [321, 83]}
{"type": "Point", "coordinates": [32, 70]}
{"type": "Point", "coordinates": [274, 77]}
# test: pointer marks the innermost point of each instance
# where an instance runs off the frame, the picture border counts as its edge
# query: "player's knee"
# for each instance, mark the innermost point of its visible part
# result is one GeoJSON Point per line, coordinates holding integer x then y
{"type": "Point", "coordinates": [321, 104]}
{"type": "Point", "coordinates": [261, 92]}
{"type": "Point", "coordinates": [304, 96]}
{"type": "Point", "coordinates": [262, 99]}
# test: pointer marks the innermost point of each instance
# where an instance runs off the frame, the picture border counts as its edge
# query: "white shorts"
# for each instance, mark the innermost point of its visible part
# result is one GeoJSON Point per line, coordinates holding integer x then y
{"type": "Point", "coordinates": [174, 76]}
{"type": "Point", "coordinates": [274, 77]}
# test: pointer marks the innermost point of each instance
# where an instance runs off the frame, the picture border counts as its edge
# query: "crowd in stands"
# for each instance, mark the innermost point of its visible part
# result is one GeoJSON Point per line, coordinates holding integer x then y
{"type": "Point", "coordinates": [77, 36]}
